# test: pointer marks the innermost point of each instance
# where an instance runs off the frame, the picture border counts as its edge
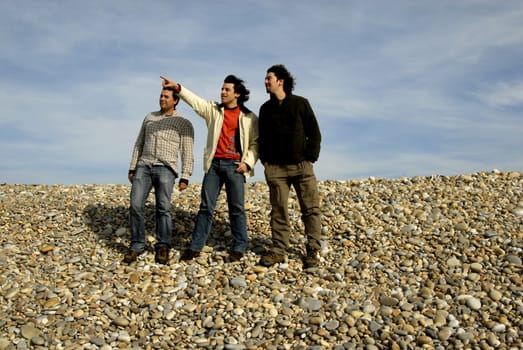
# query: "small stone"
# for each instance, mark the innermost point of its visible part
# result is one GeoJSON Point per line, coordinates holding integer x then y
{"type": "Point", "coordinates": [474, 303]}
{"type": "Point", "coordinates": [124, 337]}
{"type": "Point", "coordinates": [235, 347]}
{"type": "Point", "coordinates": [98, 341]}
{"type": "Point", "coordinates": [332, 325]}
{"type": "Point", "coordinates": [495, 294]}
{"type": "Point", "coordinates": [11, 293]}
{"type": "Point", "coordinates": [301, 331]}
{"type": "Point", "coordinates": [461, 226]}
{"type": "Point", "coordinates": [453, 262]}
{"type": "Point", "coordinates": [29, 331]}
{"type": "Point", "coordinates": [37, 340]}
{"type": "Point", "coordinates": [322, 332]}
{"type": "Point", "coordinates": [513, 259]}
{"type": "Point", "coordinates": [190, 307]}
{"type": "Point", "coordinates": [4, 343]}
{"type": "Point", "coordinates": [445, 333]}
{"type": "Point", "coordinates": [369, 308]}
{"type": "Point", "coordinates": [476, 267]}
{"type": "Point", "coordinates": [46, 248]}
{"type": "Point", "coordinates": [52, 302]}
{"type": "Point", "coordinates": [499, 328]}
{"type": "Point", "coordinates": [389, 301]}
{"type": "Point", "coordinates": [423, 340]}
{"type": "Point", "coordinates": [467, 336]}
{"type": "Point", "coordinates": [121, 321]}
{"type": "Point", "coordinates": [441, 318]}
{"type": "Point", "coordinates": [203, 342]}
{"type": "Point", "coordinates": [283, 321]}
{"type": "Point", "coordinates": [493, 340]}
{"type": "Point", "coordinates": [316, 320]}
{"type": "Point", "coordinates": [314, 305]}
{"type": "Point", "coordinates": [134, 277]}
{"type": "Point", "coordinates": [408, 228]}
{"type": "Point", "coordinates": [121, 231]}
{"type": "Point", "coordinates": [374, 326]}
{"type": "Point", "coordinates": [259, 269]}
{"type": "Point", "coordinates": [238, 282]}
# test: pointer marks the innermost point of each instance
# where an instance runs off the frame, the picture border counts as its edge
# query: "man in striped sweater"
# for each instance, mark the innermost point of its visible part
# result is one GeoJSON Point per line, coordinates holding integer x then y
{"type": "Point", "coordinates": [164, 134]}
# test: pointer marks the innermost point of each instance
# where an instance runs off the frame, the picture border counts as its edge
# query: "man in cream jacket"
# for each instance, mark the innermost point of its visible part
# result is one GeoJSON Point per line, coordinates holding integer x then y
{"type": "Point", "coordinates": [229, 158]}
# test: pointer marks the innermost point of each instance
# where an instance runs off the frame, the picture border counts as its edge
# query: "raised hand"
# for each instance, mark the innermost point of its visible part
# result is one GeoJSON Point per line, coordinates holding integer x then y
{"type": "Point", "coordinates": [168, 82]}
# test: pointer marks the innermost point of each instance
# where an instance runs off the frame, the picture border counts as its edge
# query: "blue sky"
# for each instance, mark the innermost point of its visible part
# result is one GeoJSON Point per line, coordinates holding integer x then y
{"type": "Point", "coordinates": [400, 88]}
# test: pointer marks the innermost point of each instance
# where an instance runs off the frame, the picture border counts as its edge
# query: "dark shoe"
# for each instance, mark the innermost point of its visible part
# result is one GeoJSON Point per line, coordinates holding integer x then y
{"type": "Point", "coordinates": [235, 256]}
{"type": "Point", "coordinates": [162, 254]}
{"type": "Point", "coordinates": [189, 255]}
{"type": "Point", "coordinates": [131, 256]}
{"type": "Point", "coordinates": [311, 259]}
{"type": "Point", "coordinates": [270, 259]}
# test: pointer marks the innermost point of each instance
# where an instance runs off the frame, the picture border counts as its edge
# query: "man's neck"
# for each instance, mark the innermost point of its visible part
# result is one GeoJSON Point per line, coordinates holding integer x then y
{"type": "Point", "coordinates": [168, 112]}
{"type": "Point", "coordinates": [280, 95]}
{"type": "Point", "coordinates": [231, 105]}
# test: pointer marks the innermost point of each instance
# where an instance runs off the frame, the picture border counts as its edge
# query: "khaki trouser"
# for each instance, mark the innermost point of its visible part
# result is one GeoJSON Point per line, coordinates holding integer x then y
{"type": "Point", "coordinates": [279, 179]}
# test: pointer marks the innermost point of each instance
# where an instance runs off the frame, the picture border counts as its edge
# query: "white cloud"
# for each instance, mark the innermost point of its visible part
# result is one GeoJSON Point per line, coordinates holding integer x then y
{"type": "Point", "coordinates": [505, 94]}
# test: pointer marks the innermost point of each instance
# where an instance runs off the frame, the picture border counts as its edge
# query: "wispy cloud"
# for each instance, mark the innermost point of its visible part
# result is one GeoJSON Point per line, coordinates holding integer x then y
{"type": "Point", "coordinates": [504, 94]}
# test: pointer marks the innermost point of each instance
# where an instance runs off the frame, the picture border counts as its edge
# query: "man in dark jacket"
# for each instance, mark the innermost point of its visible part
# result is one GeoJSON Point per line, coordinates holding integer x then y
{"type": "Point", "coordinates": [289, 144]}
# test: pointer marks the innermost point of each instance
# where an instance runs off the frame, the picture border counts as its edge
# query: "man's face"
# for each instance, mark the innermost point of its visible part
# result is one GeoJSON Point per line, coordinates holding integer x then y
{"type": "Point", "coordinates": [229, 97]}
{"type": "Point", "coordinates": [272, 84]}
{"type": "Point", "coordinates": [167, 102]}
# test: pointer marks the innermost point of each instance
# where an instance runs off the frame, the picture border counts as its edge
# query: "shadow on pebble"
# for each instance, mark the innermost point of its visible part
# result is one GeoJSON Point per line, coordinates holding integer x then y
{"type": "Point", "coordinates": [111, 224]}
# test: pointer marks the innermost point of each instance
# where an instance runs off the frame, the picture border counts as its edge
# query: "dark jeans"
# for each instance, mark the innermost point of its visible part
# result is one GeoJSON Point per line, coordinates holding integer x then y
{"type": "Point", "coordinates": [301, 176]}
{"type": "Point", "coordinates": [222, 172]}
{"type": "Point", "coordinates": [162, 179]}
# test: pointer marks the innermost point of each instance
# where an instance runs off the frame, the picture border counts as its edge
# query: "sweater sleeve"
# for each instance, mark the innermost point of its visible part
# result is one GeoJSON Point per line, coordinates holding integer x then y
{"type": "Point", "coordinates": [138, 147]}
{"type": "Point", "coordinates": [251, 154]}
{"type": "Point", "coordinates": [186, 151]}
{"type": "Point", "coordinates": [201, 106]}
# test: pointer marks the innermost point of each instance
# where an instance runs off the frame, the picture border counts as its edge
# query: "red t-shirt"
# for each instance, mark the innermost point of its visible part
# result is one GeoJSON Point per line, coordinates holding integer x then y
{"type": "Point", "coordinates": [227, 147]}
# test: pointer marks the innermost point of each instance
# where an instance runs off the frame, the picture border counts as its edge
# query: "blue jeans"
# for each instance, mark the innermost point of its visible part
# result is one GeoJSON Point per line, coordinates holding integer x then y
{"type": "Point", "coordinates": [163, 179]}
{"type": "Point", "coordinates": [222, 172]}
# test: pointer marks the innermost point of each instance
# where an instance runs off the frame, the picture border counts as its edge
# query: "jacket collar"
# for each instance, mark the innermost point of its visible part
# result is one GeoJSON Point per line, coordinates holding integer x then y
{"type": "Point", "coordinates": [244, 109]}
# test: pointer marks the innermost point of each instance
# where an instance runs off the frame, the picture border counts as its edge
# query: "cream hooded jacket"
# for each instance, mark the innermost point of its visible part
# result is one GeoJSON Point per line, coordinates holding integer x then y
{"type": "Point", "coordinates": [213, 113]}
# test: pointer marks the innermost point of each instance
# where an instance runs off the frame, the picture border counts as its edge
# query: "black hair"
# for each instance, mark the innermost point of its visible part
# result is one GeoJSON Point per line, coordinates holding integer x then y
{"type": "Point", "coordinates": [169, 88]}
{"type": "Point", "coordinates": [239, 88]}
{"type": "Point", "coordinates": [281, 72]}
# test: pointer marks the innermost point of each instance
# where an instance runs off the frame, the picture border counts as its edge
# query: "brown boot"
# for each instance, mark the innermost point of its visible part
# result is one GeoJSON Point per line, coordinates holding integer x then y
{"type": "Point", "coordinates": [271, 258]}
{"type": "Point", "coordinates": [311, 259]}
{"type": "Point", "coordinates": [131, 256]}
{"type": "Point", "coordinates": [189, 255]}
{"type": "Point", "coordinates": [235, 256]}
{"type": "Point", "coordinates": [162, 254]}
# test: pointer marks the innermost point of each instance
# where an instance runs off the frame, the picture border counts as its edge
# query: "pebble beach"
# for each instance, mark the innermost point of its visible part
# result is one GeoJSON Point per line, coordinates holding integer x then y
{"type": "Point", "coordinates": [429, 262]}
